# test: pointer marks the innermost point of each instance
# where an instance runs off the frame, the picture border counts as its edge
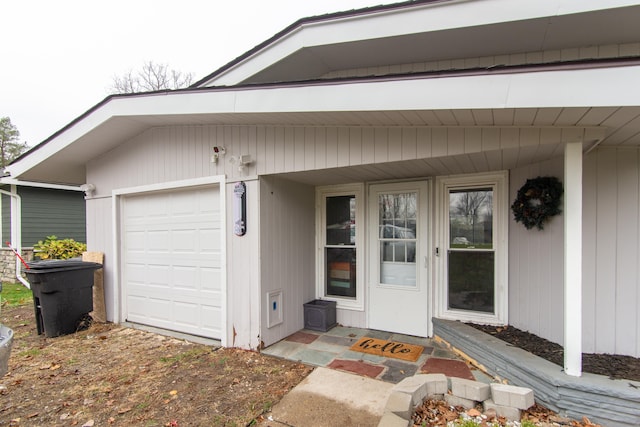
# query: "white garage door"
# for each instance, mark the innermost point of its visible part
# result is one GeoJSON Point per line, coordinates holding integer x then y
{"type": "Point", "coordinates": [172, 263]}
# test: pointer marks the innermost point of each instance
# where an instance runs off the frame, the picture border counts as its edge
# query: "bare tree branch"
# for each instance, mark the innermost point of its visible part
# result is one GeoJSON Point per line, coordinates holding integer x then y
{"type": "Point", "coordinates": [150, 77]}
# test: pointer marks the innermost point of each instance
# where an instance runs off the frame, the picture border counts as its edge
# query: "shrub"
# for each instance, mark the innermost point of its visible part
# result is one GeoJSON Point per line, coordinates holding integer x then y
{"type": "Point", "coordinates": [54, 248]}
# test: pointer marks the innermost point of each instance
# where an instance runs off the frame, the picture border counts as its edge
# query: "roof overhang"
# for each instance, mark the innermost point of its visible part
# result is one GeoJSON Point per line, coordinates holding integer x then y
{"type": "Point", "coordinates": [429, 30]}
{"type": "Point", "coordinates": [372, 102]}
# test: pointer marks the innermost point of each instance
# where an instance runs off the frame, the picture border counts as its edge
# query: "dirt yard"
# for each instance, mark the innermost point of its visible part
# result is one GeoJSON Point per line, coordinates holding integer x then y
{"type": "Point", "coordinates": [110, 375]}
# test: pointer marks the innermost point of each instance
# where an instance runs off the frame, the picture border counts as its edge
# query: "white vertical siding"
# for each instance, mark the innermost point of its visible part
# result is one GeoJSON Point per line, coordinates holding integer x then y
{"type": "Point", "coordinates": [100, 239]}
{"type": "Point", "coordinates": [287, 252]}
{"type": "Point", "coordinates": [352, 318]}
{"type": "Point", "coordinates": [611, 256]}
{"type": "Point", "coordinates": [611, 200]}
{"type": "Point", "coordinates": [611, 290]}
{"type": "Point", "coordinates": [243, 279]}
{"type": "Point", "coordinates": [184, 152]}
{"type": "Point", "coordinates": [535, 265]}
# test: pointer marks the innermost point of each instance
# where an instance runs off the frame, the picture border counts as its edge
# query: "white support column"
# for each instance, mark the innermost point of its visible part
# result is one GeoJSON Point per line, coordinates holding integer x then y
{"type": "Point", "coordinates": [573, 259]}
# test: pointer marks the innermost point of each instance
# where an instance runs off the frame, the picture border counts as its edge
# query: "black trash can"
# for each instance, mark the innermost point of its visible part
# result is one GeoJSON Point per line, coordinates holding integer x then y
{"type": "Point", "coordinates": [62, 294]}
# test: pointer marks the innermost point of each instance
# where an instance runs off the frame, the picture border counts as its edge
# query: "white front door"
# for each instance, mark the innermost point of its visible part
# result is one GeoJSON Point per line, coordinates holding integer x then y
{"type": "Point", "coordinates": [398, 269]}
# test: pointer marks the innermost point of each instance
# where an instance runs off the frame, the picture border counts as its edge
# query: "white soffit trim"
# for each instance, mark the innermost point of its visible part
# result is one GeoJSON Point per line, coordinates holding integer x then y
{"type": "Point", "coordinates": [413, 19]}
{"type": "Point", "coordinates": [11, 181]}
{"type": "Point", "coordinates": [600, 87]}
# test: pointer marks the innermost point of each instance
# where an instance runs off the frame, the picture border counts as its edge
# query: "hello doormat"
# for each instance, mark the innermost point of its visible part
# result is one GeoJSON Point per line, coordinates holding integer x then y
{"type": "Point", "coordinates": [397, 350]}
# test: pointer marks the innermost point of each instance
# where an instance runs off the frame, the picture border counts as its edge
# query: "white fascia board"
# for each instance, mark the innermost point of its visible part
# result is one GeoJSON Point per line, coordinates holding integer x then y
{"type": "Point", "coordinates": [569, 88]}
{"type": "Point", "coordinates": [11, 181]}
{"type": "Point", "coordinates": [599, 87]}
{"type": "Point", "coordinates": [430, 17]}
{"type": "Point", "coordinates": [142, 105]}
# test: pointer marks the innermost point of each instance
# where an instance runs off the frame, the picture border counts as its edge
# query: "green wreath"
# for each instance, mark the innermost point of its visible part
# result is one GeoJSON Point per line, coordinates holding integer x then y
{"type": "Point", "coordinates": [537, 200]}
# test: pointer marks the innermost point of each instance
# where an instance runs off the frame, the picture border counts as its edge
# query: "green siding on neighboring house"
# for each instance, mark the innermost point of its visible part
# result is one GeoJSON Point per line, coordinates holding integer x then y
{"type": "Point", "coordinates": [6, 217]}
{"type": "Point", "coordinates": [46, 212]}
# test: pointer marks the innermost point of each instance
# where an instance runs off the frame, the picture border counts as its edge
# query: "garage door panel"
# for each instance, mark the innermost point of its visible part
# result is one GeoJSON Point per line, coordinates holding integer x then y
{"type": "Point", "coordinates": [211, 279]}
{"type": "Point", "coordinates": [172, 251]}
{"type": "Point", "coordinates": [187, 315]}
{"type": "Point", "coordinates": [210, 240]}
{"type": "Point", "coordinates": [158, 240]}
{"type": "Point", "coordinates": [153, 309]}
{"type": "Point", "coordinates": [185, 241]}
{"type": "Point", "coordinates": [136, 273]}
{"type": "Point", "coordinates": [135, 240]}
{"type": "Point", "coordinates": [159, 275]}
{"type": "Point", "coordinates": [186, 277]}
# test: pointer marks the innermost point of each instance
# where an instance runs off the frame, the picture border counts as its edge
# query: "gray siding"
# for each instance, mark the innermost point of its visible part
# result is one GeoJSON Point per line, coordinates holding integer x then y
{"type": "Point", "coordinates": [46, 212]}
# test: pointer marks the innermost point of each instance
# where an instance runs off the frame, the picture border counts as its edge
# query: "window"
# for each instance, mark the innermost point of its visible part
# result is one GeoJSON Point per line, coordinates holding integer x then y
{"type": "Point", "coordinates": [397, 222]}
{"type": "Point", "coordinates": [339, 236]}
{"type": "Point", "coordinates": [472, 248]}
{"type": "Point", "coordinates": [340, 246]}
{"type": "Point", "coordinates": [471, 253]}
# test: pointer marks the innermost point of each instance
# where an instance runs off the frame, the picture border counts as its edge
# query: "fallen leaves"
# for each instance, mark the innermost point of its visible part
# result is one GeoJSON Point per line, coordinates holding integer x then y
{"type": "Point", "coordinates": [50, 366]}
{"type": "Point", "coordinates": [438, 413]}
{"type": "Point", "coordinates": [110, 375]}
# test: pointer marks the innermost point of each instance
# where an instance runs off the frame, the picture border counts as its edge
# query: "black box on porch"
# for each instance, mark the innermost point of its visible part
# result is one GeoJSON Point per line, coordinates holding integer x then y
{"type": "Point", "coordinates": [320, 315]}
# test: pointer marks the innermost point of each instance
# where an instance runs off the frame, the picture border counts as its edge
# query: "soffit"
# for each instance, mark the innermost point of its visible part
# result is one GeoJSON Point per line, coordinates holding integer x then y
{"type": "Point", "coordinates": [555, 98]}
{"type": "Point", "coordinates": [622, 126]}
{"type": "Point", "coordinates": [299, 57]}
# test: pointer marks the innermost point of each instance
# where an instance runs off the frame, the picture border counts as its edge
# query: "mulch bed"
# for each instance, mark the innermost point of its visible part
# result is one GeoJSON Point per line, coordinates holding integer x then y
{"type": "Point", "coordinates": [611, 365]}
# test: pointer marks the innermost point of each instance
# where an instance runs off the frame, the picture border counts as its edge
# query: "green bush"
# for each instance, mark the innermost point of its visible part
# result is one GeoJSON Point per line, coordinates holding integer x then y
{"type": "Point", "coordinates": [53, 248]}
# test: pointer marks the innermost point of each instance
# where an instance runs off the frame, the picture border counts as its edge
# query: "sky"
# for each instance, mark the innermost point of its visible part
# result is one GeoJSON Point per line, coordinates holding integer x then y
{"type": "Point", "coordinates": [59, 57]}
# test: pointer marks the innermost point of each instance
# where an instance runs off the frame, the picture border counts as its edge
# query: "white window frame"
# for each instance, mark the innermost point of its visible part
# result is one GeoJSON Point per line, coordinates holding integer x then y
{"type": "Point", "coordinates": [500, 183]}
{"type": "Point", "coordinates": [322, 193]}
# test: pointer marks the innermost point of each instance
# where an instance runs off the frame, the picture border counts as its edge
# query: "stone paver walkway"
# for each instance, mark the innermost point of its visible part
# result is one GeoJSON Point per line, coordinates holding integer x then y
{"type": "Point", "coordinates": [331, 349]}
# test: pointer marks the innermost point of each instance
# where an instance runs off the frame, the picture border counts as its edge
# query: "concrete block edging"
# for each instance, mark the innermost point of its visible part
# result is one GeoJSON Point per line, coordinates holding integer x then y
{"type": "Point", "coordinates": [614, 403]}
{"type": "Point", "coordinates": [410, 393]}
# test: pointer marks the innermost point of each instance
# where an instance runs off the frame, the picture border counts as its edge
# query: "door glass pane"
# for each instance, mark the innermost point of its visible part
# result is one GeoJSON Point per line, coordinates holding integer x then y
{"type": "Point", "coordinates": [340, 246]}
{"type": "Point", "coordinates": [397, 238]}
{"type": "Point", "coordinates": [470, 259]}
{"type": "Point", "coordinates": [471, 280]}
{"type": "Point", "coordinates": [471, 218]}
{"type": "Point", "coordinates": [341, 272]}
{"type": "Point", "coordinates": [341, 220]}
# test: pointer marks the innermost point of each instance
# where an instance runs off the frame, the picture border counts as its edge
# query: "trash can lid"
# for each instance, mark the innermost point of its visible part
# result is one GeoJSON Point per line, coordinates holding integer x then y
{"type": "Point", "coordinates": [62, 264]}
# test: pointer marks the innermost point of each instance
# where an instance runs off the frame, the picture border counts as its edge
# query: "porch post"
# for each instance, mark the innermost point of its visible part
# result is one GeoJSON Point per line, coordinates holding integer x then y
{"type": "Point", "coordinates": [573, 259]}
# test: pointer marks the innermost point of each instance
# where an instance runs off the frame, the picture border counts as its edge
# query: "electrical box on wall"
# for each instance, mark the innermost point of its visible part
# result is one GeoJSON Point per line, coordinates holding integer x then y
{"type": "Point", "coordinates": [274, 308]}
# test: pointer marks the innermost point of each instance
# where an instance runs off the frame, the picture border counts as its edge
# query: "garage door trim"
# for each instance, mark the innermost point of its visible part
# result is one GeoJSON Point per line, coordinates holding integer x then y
{"type": "Point", "coordinates": [117, 197]}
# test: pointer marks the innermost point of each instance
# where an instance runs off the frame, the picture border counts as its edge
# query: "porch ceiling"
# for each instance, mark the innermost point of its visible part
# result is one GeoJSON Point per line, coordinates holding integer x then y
{"type": "Point", "coordinates": [450, 165]}
{"type": "Point", "coordinates": [621, 124]}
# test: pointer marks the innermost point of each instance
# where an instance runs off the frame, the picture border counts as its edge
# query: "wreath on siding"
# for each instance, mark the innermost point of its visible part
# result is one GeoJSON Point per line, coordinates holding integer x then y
{"type": "Point", "coordinates": [538, 199]}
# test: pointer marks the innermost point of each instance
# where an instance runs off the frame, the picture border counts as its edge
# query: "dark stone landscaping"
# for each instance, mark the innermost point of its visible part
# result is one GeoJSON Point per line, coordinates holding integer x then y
{"type": "Point", "coordinates": [610, 365]}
